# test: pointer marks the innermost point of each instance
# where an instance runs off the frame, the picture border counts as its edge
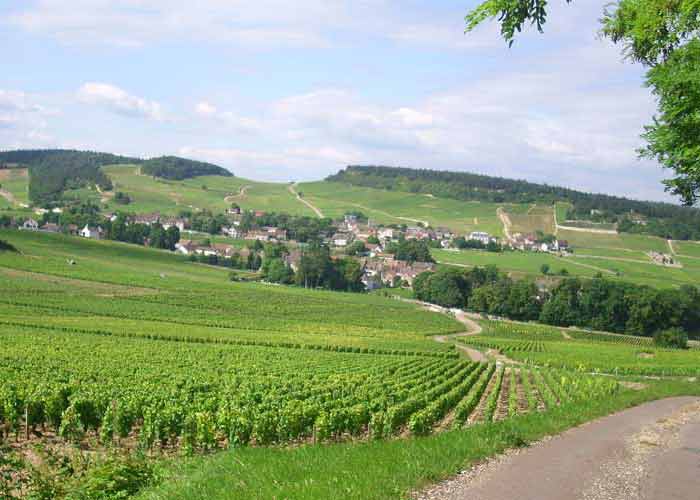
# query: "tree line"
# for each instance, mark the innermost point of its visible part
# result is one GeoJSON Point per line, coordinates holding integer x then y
{"type": "Point", "coordinates": [176, 168]}
{"type": "Point", "coordinates": [599, 304]}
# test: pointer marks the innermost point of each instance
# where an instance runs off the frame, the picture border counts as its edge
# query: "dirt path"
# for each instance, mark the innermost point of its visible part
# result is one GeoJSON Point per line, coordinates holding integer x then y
{"type": "Point", "coordinates": [8, 196]}
{"type": "Point", "coordinates": [586, 230]}
{"type": "Point", "coordinates": [241, 195]}
{"type": "Point", "coordinates": [650, 452]}
{"type": "Point", "coordinates": [318, 213]}
{"type": "Point", "coordinates": [670, 247]}
{"type": "Point", "coordinates": [505, 220]}
{"type": "Point", "coordinates": [473, 329]}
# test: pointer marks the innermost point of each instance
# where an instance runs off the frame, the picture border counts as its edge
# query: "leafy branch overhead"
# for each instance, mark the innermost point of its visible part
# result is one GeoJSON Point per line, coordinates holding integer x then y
{"type": "Point", "coordinates": [662, 35]}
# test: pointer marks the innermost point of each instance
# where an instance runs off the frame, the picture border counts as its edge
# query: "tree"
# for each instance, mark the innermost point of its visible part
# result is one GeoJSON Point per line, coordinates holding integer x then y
{"type": "Point", "coordinates": [413, 250]}
{"type": "Point", "coordinates": [279, 272]}
{"type": "Point", "coordinates": [6, 247]}
{"type": "Point", "coordinates": [545, 269]}
{"type": "Point", "coordinates": [356, 248]}
{"type": "Point", "coordinates": [662, 35]}
{"type": "Point", "coordinates": [672, 337]}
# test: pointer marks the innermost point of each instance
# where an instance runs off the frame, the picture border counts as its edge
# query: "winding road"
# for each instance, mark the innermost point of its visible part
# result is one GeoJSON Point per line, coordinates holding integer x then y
{"type": "Point", "coordinates": [650, 452]}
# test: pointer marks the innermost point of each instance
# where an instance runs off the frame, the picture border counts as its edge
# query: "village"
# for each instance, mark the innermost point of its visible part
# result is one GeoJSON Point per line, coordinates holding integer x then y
{"type": "Point", "coordinates": [231, 240]}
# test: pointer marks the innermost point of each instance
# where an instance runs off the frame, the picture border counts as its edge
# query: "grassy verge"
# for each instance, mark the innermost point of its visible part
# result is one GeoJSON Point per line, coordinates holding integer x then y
{"type": "Point", "coordinates": [382, 469]}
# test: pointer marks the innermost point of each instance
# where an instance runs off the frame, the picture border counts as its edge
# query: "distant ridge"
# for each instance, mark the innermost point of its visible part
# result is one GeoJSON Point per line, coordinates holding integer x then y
{"type": "Point", "coordinates": [52, 171]}
{"type": "Point", "coordinates": [665, 219]}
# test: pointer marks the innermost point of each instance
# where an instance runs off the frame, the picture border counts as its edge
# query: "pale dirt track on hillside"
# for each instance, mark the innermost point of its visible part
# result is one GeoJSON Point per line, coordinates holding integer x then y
{"type": "Point", "coordinates": [318, 213]}
{"type": "Point", "coordinates": [650, 452]}
{"type": "Point", "coordinates": [240, 196]}
{"type": "Point", "coordinates": [8, 196]}
{"type": "Point", "coordinates": [505, 220]}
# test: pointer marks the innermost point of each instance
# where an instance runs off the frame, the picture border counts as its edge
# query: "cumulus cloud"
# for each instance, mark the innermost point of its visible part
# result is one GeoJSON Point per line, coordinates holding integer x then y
{"type": "Point", "coordinates": [229, 119]}
{"type": "Point", "coordinates": [24, 119]}
{"type": "Point", "coordinates": [119, 101]}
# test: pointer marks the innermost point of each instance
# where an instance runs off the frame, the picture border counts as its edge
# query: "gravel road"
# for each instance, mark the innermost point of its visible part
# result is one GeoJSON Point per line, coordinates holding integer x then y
{"type": "Point", "coordinates": [650, 452]}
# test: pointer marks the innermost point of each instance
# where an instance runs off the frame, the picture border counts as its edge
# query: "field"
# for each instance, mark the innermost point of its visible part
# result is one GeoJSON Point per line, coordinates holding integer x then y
{"type": "Point", "coordinates": [214, 193]}
{"type": "Point", "coordinates": [392, 207]}
{"type": "Point", "coordinates": [113, 346]}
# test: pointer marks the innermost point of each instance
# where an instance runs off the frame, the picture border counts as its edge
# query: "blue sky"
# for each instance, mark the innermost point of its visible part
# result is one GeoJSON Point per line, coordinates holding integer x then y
{"type": "Point", "coordinates": [295, 91]}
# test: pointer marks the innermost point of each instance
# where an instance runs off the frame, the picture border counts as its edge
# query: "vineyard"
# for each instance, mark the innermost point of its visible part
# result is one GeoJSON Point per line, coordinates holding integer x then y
{"type": "Point", "coordinates": [199, 397]}
{"type": "Point", "coordinates": [110, 347]}
{"type": "Point", "coordinates": [588, 351]}
{"type": "Point", "coordinates": [157, 364]}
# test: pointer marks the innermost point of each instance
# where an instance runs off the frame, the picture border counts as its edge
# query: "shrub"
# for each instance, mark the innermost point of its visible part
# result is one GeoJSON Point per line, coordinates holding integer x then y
{"type": "Point", "coordinates": [672, 337]}
{"type": "Point", "coordinates": [6, 247]}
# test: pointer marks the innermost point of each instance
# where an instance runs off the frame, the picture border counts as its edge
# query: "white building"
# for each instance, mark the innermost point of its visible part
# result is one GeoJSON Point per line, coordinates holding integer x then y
{"type": "Point", "coordinates": [484, 238]}
{"type": "Point", "coordinates": [30, 225]}
{"type": "Point", "coordinates": [91, 232]}
{"type": "Point", "coordinates": [386, 233]}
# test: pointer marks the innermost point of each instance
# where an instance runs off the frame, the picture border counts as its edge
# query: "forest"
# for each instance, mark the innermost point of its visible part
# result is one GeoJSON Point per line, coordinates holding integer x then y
{"type": "Point", "coordinates": [677, 222]}
{"type": "Point", "coordinates": [175, 168]}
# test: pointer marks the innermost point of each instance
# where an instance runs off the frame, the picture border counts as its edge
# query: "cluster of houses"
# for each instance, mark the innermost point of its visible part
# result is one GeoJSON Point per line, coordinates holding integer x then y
{"type": "Point", "coordinates": [92, 232]}
{"type": "Point", "coordinates": [531, 243]}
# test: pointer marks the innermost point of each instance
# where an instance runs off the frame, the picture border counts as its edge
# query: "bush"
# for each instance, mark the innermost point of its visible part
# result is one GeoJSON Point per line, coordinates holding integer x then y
{"type": "Point", "coordinates": [672, 337]}
{"type": "Point", "coordinates": [6, 247]}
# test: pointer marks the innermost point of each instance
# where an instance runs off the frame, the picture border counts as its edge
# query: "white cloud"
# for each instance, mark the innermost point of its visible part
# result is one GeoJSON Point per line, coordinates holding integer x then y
{"type": "Point", "coordinates": [24, 119]}
{"type": "Point", "coordinates": [203, 108]}
{"type": "Point", "coordinates": [229, 119]}
{"type": "Point", "coordinates": [119, 101]}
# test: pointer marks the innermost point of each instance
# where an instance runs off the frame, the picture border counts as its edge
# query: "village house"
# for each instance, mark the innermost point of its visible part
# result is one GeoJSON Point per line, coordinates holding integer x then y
{"type": "Point", "coordinates": [481, 236]}
{"type": "Point", "coordinates": [443, 233]}
{"type": "Point", "coordinates": [185, 247]}
{"type": "Point", "coordinates": [385, 233]}
{"type": "Point", "coordinates": [50, 227]}
{"type": "Point", "coordinates": [223, 250]}
{"type": "Point", "coordinates": [147, 219]}
{"type": "Point", "coordinates": [72, 229]}
{"type": "Point", "coordinates": [388, 270]}
{"type": "Point", "coordinates": [341, 239]}
{"type": "Point", "coordinates": [257, 235]}
{"type": "Point", "coordinates": [561, 245]}
{"type": "Point", "coordinates": [234, 211]}
{"type": "Point", "coordinates": [94, 233]}
{"type": "Point", "coordinates": [168, 222]}
{"type": "Point", "coordinates": [231, 231]}
{"type": "Point", "coordinates": [30, 225]}
{"type": "Point", "coordinates": [275, 233]}
{"type": "Point", "coordinates": [418, 233]}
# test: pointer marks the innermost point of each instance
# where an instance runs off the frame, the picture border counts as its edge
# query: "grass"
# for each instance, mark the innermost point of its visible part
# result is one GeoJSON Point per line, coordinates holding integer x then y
{"type": "Point", "coordinates": [383, 469]}
{"type": "Point", "coordinates": [16, 181]}
{"type": "Point", "coordinates": [208, 192]}
{"type": "Point", "coordinates": [393, 207]}
{"type": "Point", "coordinates": [687, 248]}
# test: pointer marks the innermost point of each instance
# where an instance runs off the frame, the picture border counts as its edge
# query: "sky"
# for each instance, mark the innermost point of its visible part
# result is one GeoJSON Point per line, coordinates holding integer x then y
{"type": "Point", "coordinates": [297, 90]}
